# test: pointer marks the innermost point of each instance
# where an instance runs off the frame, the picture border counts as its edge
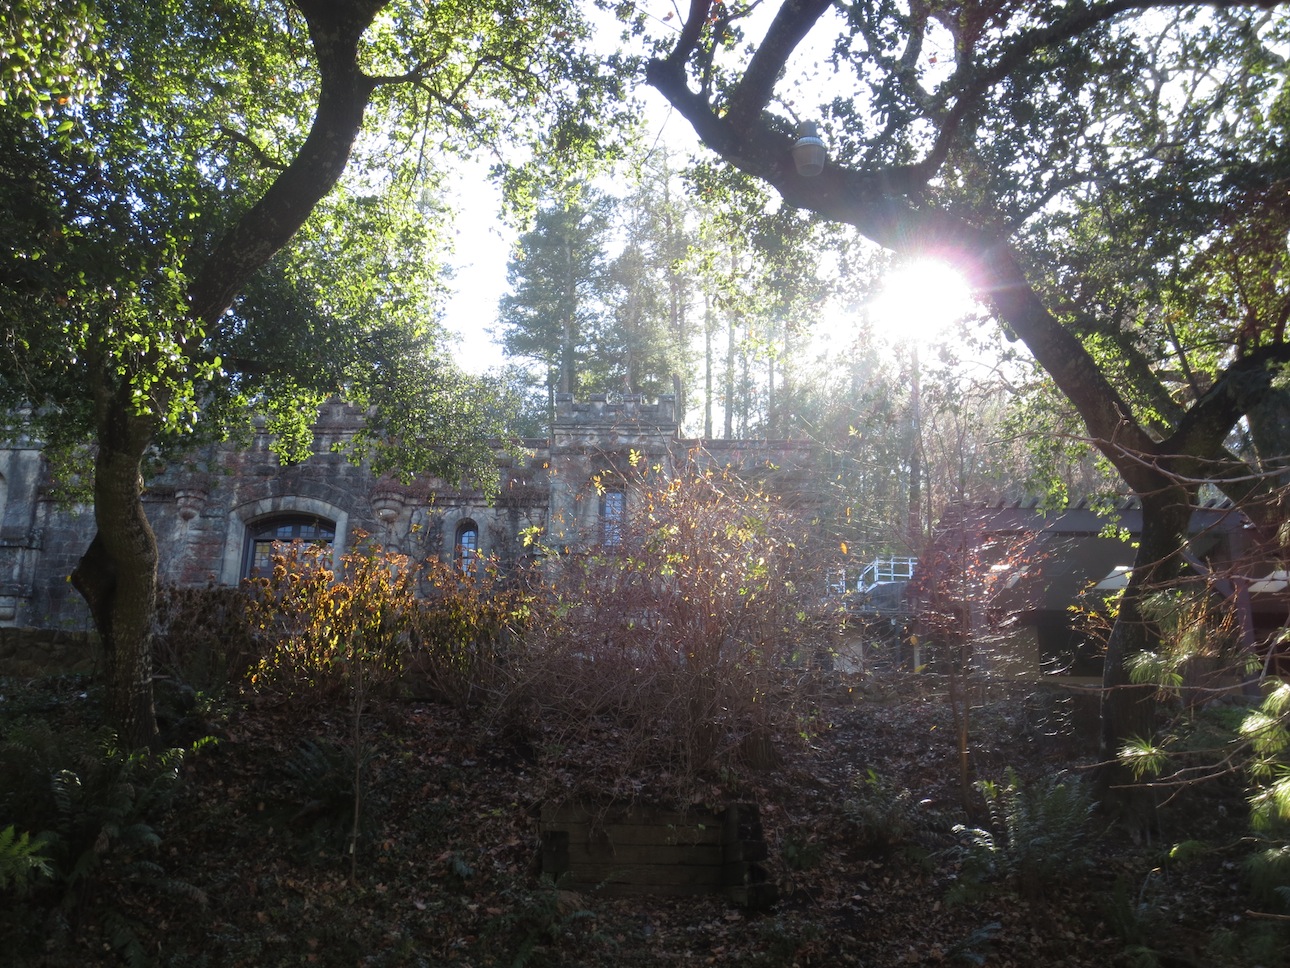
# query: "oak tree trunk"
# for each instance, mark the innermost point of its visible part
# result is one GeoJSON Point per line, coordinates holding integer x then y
{"type": "Point", "coordinates": [1270, 431]}
{"type": "Point", "coordinates": [1128, 708]}
{"type": "Point", "coordinates": [117, 576]}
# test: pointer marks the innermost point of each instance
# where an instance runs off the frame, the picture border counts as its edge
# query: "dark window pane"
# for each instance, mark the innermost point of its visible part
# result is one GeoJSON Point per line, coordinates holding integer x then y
{"type": "Point", "coordinates": [284, 528]}
{"type": "Point", "coordinates": [467, 547]}
{"type": "Point", "coordinates": [613, 511]}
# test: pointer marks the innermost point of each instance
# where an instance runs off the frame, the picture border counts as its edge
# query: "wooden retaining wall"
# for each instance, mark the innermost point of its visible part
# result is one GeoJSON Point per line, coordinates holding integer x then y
{"type": "Point", "coordinates": [641, 850]}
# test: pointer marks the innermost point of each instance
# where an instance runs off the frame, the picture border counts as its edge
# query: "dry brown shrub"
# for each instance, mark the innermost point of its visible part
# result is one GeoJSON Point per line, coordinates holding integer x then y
{"type": "Point", "coordinates": [464, 632]}
{"type": "Point", "coordinates": [665, 657]}
{"type": "Point", "coordinates": [201, 636]}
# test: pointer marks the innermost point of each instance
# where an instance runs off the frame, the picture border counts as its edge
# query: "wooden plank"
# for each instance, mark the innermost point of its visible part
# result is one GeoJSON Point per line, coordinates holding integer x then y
{"type": "Point", "coordinates": [644, 816]}
{"type": "Point", "coordinates": [710, 855]}
{"type": "Point", "coordinates": [647, 875]}
{"type": "Point", "coordinates": [633, 890]}
{"type": "Point", "coordinates": [642, 850]}
{"type": "Point", "coordinates": [669, 835]}
{"type": "Point", "coordinates": [743, 851]}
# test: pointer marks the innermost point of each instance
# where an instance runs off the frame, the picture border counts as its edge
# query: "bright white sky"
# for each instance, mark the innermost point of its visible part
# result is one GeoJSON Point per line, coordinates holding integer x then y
{"type": "Point", "coordinates": [483, 244]}
{"type": "Point", "coordinates": [918, 300]}
{"type": "Point", "coordinates": [484, 241]}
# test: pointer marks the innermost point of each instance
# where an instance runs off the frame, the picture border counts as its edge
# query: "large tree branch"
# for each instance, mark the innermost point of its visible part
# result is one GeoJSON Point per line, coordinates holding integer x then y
{"type": "Point", "coordinates": [791, 25]}
{"type": "Point", "coordinates": [794, 21]}
{"type": "Point", "coordinates": [996, 275]}
{"type": "Point", "coordinates": [335, 29]}
{"type": "Point", "coordinates": [881, 214]}
{"type": "Point", "coordinates": [875, 203]}
{"type": "Point", "coordinates": [691, 31]}
{"type": "Point", "coordinates": [1203, 430]}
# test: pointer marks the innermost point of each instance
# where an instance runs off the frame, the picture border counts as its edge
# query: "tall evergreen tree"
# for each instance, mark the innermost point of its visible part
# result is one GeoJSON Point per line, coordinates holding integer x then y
{"type": "Point", "coordinates": [758, 271]}
{"type": "Point", "coordinates": [558, 279]}
{"type": "Point", "coordinates": [650, 330]}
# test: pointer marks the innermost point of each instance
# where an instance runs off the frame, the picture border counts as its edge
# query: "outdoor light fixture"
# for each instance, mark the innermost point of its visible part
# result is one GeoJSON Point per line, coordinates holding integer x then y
{"type": "Point", "coordinates": [387, 502]}
{"type": "Point", "coordinates": [808, 150]}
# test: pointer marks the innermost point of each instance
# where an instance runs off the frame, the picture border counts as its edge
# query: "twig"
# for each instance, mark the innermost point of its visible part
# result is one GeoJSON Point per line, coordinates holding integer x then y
{"type": "Point", "coordinates": [1264, 916]}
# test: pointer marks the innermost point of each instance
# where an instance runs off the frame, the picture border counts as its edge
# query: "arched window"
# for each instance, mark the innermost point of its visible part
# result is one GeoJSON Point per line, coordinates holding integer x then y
{"type": "Point", "coordinates": [262, 534]}
{"type": "Point", "coordinates": [467, 545]}
{"type": "Point", "coordinates": [613, 514]}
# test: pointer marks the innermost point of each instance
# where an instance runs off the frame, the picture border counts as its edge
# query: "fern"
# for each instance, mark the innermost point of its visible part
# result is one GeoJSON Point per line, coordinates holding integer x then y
{"type": "Point", "coordinates": [531, 921]}
{"type": "Point", "coordinates": [1127, 914]}
{"type": "Point", "coordinates": [106, 807]}
{"type": "Point", "coordinates": [20, 860]}
{"type": "Point", "coordinates": [883, 818]}
{"type": "Point", "coordinates": [323, 775]}
{"type": "Point", "coordinates": [978, 855]}
{"type": "Point", "coordinates": [1037, 834]}
{"type": "Point", "coordinates": [1268, 875]}
{"type": "Point", "coordinates": [26, 756]}
{"type": "Point", "coordinates": [123, 936]}
{"type": "Point", "coordinates": [975, 948]}
{"type": "Point", "coordinates": [92, 809]}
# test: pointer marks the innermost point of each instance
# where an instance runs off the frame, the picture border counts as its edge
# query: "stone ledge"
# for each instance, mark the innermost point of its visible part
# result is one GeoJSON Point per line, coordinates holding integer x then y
{"type": "Point", "coordinates": [27, 652]}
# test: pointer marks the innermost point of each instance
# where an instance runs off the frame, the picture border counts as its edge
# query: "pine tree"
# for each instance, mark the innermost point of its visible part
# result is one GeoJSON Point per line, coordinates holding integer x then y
{"type": "Point", "coordinates": [557, 279]}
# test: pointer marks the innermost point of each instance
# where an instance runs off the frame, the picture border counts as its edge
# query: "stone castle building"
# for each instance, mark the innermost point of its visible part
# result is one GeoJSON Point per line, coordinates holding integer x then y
{"type": "Point", "coordinates": [216, 524]}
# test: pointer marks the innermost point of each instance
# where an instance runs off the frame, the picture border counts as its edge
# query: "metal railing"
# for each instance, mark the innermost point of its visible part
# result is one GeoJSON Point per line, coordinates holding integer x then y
{"type": "Point", "coordinates": [880, 571]}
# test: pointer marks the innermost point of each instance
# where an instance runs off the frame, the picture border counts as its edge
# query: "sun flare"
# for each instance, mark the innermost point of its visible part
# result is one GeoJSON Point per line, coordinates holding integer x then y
{"type": "Point", "coordinates": [919, 300]}
{"type": "Point", "coordinates": [915, 302]}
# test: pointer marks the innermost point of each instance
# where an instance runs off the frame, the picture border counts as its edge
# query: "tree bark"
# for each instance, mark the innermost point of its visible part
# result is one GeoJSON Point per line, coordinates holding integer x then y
{"type": "Point", "coordinates": [335, 30]}
{"type": "Point", "coordinates": [569, 331]}
{"type": "Point", "coordinates": [709, 323]}
{"type": "Point", "coordinates": [730, 375]}
{"type": "Point", "coordinates": [1128, 708]}
{"type": "Point", "coordinates": [117, 575]}
{"type": "Point", "coordinates": [1270, 432]}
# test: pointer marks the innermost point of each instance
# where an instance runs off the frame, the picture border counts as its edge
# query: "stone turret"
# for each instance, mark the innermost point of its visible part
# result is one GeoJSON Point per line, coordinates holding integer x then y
{"type": "Point", "coordinates": [603, 411]}
{"type": "Point", "coordinates": [605, 438]}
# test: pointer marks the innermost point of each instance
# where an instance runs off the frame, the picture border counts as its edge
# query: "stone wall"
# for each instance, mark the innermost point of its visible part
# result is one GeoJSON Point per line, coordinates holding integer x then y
{"type": "Point", "coordinates": [26, 652]}
{"type": "Point", "coordinates": [205, 509]}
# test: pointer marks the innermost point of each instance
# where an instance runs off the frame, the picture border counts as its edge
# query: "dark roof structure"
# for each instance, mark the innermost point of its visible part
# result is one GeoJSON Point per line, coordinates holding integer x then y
{"type": "Point", "coordinates": [1021, 563]}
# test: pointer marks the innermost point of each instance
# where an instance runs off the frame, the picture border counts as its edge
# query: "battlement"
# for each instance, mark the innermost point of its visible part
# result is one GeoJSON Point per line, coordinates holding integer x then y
{"type": "Point", "coordinates": [614, 410]}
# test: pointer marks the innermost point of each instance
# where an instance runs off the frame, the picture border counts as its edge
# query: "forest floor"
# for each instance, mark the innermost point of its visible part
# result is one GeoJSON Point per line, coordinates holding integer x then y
{"type": "Point", "coordinates": [251, 867]}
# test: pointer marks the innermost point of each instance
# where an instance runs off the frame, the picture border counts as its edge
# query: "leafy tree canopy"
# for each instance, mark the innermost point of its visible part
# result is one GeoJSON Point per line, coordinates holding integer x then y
{"type": "Point", "coordinates": [171, 249]}
{"type": "Point", "coordinates": [1109, 175]}
{"type": "Point", "coordinates": [128, 210]}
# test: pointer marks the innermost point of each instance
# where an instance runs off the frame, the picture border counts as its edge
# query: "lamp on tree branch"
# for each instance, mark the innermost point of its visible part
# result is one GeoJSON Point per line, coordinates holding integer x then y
{"type": "Point", "coordinates": [808, 150]}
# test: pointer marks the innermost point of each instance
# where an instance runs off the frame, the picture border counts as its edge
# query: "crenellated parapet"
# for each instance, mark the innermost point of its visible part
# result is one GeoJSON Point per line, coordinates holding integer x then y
{"type": "Point", "coordinates": [607, 410]}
